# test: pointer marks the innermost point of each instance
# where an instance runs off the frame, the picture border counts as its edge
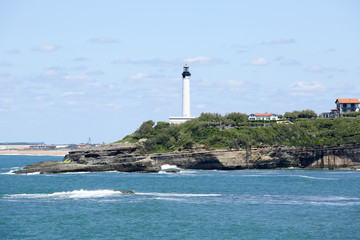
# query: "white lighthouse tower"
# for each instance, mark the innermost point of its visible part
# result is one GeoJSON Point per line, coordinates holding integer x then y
{"type": "Point", "coordinates": [185, 99]}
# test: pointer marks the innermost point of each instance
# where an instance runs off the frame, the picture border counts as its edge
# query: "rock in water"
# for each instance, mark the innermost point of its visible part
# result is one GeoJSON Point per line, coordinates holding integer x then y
{"type": "Point", "coordinates": [128, 192]}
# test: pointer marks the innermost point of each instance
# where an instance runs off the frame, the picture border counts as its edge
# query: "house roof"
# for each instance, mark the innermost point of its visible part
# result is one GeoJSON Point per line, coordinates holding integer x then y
{"type": "Point", "coordinates": [263, 114]}
{"type": "Point", "coordinates": [347, 100]}
{"type": "Point", "coordinates": [335, 109]}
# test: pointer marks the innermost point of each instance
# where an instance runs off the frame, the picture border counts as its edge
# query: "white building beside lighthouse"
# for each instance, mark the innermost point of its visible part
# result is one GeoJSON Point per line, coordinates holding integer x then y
{"type": "Point", "coordinates": [185, 99]}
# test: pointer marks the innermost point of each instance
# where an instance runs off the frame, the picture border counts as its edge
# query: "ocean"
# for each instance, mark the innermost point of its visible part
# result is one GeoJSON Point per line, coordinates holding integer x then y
{"type": "Point", "coordinates": [192, 204]}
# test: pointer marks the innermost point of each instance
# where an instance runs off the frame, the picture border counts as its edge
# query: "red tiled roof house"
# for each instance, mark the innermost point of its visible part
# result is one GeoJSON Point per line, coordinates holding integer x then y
{"type": "Point", "coordinates": [345, 105]}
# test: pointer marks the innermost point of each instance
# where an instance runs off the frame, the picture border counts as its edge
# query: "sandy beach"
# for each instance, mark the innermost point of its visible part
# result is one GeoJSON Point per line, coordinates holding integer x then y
{"type": "Point", "coordinates": [34, 152]}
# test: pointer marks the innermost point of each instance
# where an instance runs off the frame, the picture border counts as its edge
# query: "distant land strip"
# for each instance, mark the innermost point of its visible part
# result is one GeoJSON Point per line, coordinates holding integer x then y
{"type": "Point", "coordinates": [35, 152]}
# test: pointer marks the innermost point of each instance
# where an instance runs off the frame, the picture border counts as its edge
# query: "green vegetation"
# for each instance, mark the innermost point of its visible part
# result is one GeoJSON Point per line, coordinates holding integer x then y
{"type": "Point", "coordinates": [352, 114]}
{"type": "Point", "coordinates": [300, 114]}
{"type": "Point", "coordinates": [66, 161]}
{"type": "Point", "coordinates": [234, 131]}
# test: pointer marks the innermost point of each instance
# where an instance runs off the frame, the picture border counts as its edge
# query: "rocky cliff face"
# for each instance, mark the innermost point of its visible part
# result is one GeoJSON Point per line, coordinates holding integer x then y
{"type": "Point", "coordinates": [126, 158]}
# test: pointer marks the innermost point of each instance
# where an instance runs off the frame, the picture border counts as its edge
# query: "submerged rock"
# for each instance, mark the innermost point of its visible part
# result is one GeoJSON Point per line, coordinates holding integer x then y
{"type": "Point", "coordinates": [172, 171]}
{"type": "Point", "coordinates": [127, 192]}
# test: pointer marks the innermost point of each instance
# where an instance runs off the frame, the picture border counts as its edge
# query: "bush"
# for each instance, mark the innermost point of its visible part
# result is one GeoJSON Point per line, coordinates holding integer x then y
{"type": "Point", "coordinates": [303, 132]}
{"type": "Point", "coordinates": [300, 114]}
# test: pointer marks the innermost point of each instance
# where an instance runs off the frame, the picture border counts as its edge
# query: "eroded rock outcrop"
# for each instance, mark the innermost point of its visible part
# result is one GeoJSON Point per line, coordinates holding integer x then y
{"type": "Point", "coordinates": [126, 158]}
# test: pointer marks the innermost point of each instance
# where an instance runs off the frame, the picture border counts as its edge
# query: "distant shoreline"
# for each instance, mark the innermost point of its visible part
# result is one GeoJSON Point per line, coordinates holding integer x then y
{"type": "Point", "coordinates": [35, 152]}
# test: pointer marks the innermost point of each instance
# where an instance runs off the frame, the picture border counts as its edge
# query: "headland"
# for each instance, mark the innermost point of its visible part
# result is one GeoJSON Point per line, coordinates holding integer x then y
{"type": "Point", "coordinates": [125, 157]}
{"type": "Point", "coordinates": [215, 142]}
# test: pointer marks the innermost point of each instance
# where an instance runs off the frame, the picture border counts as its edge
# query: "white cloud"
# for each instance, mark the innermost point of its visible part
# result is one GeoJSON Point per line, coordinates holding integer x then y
{"type": "Point", "coordinates": [290, 62]}
{"type": "Point", "coordinates": [149, 78]}
{"type": "Point", "coordinates": [80, 68]}
{"type": "Point", "coordinates": [6, 78]}
{"type": "Point", "coordinates": [242, 48]}
{"type": "Point", "coordinates": [39, 98]}
{"type": "Point", "coordinates": [204, 82]}
{"type": "Point", "coordinates": [152, 62]}
{"type": "Point", "coordinates": [5, 101]}
{"type": "Point", "coordinates": [259, 62]}
{"type": "Point", "coordinates": [320, 69]}
{"type": "Point", "coordinates": [80, 59]}
{"type": "Point", "coordinates": [50, 73]}
{"type": "Point", "coordinates": [76, 77]}
{"type": "Point", "coordinates": [234, 83]}
{"type": "Point", "coordinates": [280, 41]}
{"type": "Point", "coordinates": [306, 88]}
{"type": "Point", "coordinates": [279, 58]}
{"type": "Point", "coordinates": [103, 40]}
{"type": "Point", "coordinates": [139, 76]}
{"type": "Point", "coordinates": [71, 93]}
{"type": "Point", "coordinates": [200, 106]}
{"type": "Point", "coordinates": [72, 103]}
{"type": "Point", "coordinates": [201, 60]}
{"type": "Point", "coordinates": [14, 51]}
{"type": "Point", "coordinates": [95, 72]}
{"type": "Point", "coordinates": [94, 84]}
{"type": "Point", "coordinates": [5, 64]}
{"type": "Point", "coordinates": [230, 85]}
{"type": "Point", "coordinates": [46, 48]}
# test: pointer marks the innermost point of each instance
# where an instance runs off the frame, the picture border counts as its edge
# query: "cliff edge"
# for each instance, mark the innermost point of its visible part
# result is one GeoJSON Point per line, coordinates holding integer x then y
{"type": "Point", "coordinates": [126, 157]}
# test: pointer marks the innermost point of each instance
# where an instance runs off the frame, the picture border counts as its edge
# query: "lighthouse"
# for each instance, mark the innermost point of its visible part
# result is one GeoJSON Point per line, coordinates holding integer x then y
{"type": "Point", "coordinates": [186, 92]}
{"type": "Point", "coordinates": [185, 98]}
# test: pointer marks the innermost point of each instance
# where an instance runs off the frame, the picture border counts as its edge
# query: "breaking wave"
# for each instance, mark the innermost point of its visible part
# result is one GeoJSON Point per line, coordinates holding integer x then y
{"type": "Point", "coordinates": [76, 194]}
{"type": "Point", "coordinates": [105, 193]}
{"type": "Point", "coordinates": [116, 195]}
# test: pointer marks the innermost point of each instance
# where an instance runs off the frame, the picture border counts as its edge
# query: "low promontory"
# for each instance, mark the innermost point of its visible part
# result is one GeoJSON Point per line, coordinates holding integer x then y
{"type": "Point", "coordinates": [125, 157]}
{"type": "Point", "coordinates": [229, 142]}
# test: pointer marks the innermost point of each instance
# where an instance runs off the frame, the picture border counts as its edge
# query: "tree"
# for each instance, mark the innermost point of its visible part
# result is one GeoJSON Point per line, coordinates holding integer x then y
{"type": "Point", "coordinates": [307, 114]}
{"type": "Point", "coordinates": [300, 114]}
{"type": "Point", "coordinates": [145, 128]}
{"type": "Point", "coordinates": [161, 125]}
{"type": "Point", "coordinates": [237, 118]}
{"type": "Point", "coordinates": [291, 115]}
{"type": "Point", "coordinates": [210, 117]}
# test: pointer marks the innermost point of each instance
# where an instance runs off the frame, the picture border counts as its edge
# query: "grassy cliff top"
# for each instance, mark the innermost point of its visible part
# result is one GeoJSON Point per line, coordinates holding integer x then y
{"type": "Point", "coordinates": [235, 131]}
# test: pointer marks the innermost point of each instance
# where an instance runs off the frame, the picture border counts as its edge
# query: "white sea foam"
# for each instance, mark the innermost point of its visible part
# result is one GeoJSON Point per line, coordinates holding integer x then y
{"type": "Point", "coordinates": [331, 198]}
{"type": "Point", "coordinates": [12, 170]}
{"type": "Point", "coordinates": [301, 200]}
{"type": "Point", "coordinates": [253, 175]}
{"type": "Point", "coordinates": [8, 173]}
{"type": "Point", "coordinates": [169, 167]}
{"type": "Point", "coordinates": [318, 178]}
{"type": "Point", "coordinates": [75, 172]}
{"type": "Point", "coordinates": [33, 173]}
{"type": "Point", "coordinates": [170, 199]}
{"type": "Point", "coordinates": [186, 195]}
{"type": "Point", "coordinates": [76, 194]}
{"type": "Point", "coordinates": [335, 203]}
{"type": "Point", "coordinates": [105, 193]}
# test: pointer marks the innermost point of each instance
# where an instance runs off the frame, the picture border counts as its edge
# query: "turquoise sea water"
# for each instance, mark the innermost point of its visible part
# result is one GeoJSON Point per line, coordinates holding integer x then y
{"type": "Point", "coordinates": [269, 204]}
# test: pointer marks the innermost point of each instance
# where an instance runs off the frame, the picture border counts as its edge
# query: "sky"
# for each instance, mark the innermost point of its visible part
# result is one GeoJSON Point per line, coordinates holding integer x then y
{"type": "Point", "coordinates": [70, 70]}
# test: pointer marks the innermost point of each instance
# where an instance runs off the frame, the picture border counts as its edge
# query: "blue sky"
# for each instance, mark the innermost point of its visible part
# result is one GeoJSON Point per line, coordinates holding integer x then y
{"type": "Point", "coordinates": [70, 70]}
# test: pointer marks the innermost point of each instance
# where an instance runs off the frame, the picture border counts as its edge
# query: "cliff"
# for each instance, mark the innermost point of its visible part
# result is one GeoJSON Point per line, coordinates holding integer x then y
{"type": "Point", "coordinates": [127, 158]}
